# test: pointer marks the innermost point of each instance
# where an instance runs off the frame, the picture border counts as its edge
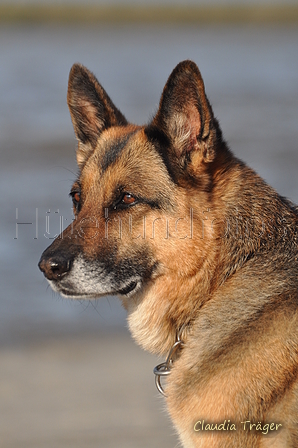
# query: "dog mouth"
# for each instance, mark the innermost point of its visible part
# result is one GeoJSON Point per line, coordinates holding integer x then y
{"type": "Point", "coordinates": [128, 289]}
{"type": "Point", "coordinates": [70, 292]}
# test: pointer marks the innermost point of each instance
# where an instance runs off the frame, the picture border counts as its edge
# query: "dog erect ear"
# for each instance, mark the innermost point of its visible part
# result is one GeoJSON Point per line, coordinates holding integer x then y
{"type": "Point", "coordinates": [186, 117]}
{"type": "Point", "coordinates": [91, 110]}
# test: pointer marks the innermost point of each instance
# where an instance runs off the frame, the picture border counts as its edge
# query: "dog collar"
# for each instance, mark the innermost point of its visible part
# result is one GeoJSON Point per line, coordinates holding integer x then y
{"type": "Point", "coordinates": [164, 369]}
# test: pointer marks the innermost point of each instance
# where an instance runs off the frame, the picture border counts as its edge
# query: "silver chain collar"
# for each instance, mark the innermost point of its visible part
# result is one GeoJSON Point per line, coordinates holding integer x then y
{"type": "Point", "coordinates": [164, 369]}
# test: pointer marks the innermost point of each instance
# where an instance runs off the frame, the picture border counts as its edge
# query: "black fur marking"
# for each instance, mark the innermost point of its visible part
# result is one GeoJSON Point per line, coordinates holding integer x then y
{"type": "Point", "coordinates": [162, 145]}
{"type": "Point", "coordinates": [139, 266]}
{"type": "Point", "coordinates": [114, 151]}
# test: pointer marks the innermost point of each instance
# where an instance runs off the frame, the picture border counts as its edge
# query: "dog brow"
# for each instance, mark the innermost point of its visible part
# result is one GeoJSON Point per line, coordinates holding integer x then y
{"type": "Point", "coordinates": [114, 151]}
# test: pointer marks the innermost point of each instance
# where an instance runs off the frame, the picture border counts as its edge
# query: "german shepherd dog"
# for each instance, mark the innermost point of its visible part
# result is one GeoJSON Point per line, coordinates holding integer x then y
{"type": "Point", "coordinates": [200, 250]}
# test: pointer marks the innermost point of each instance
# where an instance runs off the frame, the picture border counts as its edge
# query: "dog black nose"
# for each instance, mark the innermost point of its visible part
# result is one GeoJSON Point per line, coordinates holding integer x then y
{"type": "Point", "coordinates": [54, 267]}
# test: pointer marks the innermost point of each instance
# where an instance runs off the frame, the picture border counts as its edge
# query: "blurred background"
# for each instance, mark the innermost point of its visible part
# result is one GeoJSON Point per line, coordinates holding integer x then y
{"type": "Point", "coordinates": [70, 375]}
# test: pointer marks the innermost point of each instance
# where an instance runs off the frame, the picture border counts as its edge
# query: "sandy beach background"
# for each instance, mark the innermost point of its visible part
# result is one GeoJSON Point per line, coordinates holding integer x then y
{"type": "Point", "coordinates": [70, 375]}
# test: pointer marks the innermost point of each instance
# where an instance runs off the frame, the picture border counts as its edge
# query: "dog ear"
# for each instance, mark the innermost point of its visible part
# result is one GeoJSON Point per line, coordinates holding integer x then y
{"type": "Point", "coordinates": [91, 110]}
{"type": "Point", "coordinates": [186, 118]}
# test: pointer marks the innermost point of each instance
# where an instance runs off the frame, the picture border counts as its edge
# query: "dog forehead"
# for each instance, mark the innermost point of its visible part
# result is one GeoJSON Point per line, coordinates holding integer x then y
{"type": "Point", "coordinates": [124, 154]}
{"type": "Point", "coordinates": [127, 149]}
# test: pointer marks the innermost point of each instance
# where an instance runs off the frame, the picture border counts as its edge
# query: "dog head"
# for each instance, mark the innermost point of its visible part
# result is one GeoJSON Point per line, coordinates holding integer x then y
{"type": "Point", "coordinates": [139, 201]}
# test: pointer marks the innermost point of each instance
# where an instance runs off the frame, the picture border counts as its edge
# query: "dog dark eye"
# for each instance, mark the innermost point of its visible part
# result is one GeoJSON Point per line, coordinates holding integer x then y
{"type": "Point", "coordinates": [76, 196]}
{"type": "Point", "coordinates": [125, 200]}
{"type": "Point", "coordinates": [128, 199]}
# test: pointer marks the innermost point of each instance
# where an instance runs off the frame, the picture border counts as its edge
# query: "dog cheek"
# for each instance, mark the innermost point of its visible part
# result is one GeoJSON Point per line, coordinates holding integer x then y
{"type": "Point", "coordinates": [139, 263]}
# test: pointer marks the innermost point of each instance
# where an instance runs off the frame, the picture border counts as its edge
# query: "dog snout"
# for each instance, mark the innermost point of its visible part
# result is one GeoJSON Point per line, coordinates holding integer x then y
{"type": "Point", "coordinates": [55, 267]}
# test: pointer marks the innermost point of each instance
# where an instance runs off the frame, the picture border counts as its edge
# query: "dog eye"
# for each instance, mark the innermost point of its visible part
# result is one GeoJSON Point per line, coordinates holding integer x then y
{"type": "Point", "coordinates": [128, 199]}
{"type": "Point", "coordinates": [76, 196]}
{"type": "Point", "coordinates": [125, 200]}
